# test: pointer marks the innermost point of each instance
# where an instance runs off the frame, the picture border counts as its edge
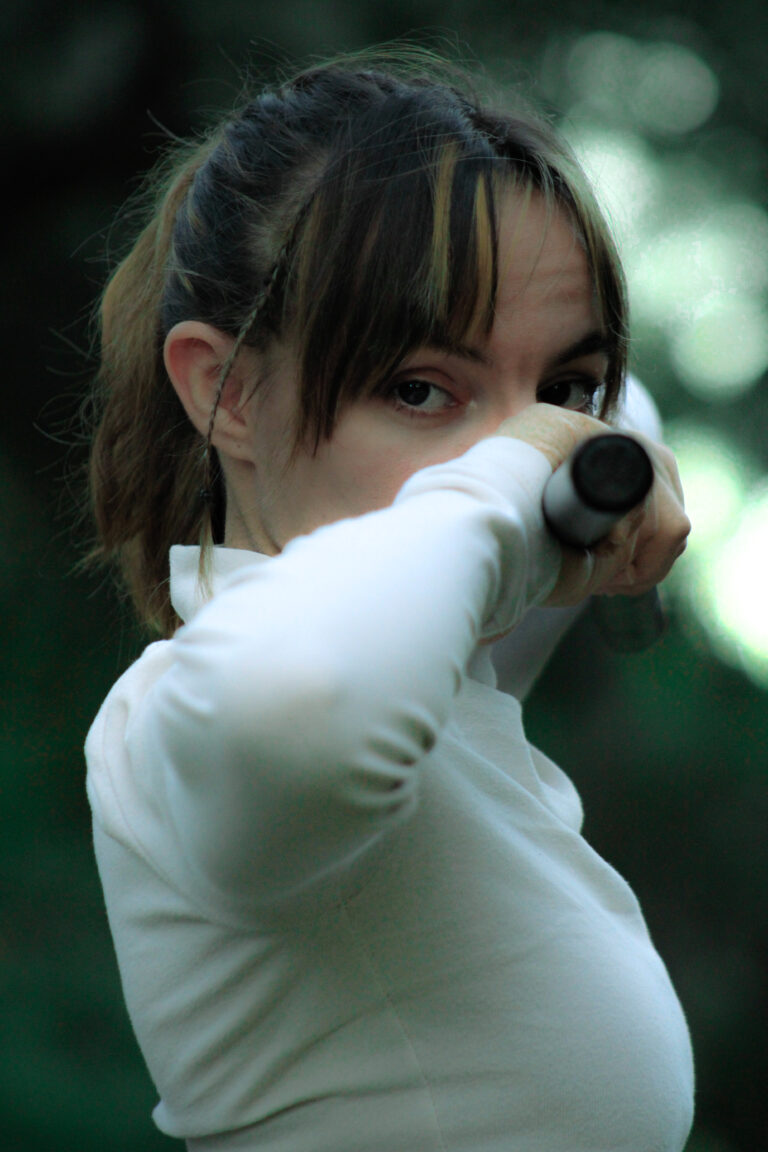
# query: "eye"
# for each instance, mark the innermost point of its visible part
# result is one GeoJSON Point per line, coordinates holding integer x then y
{"type": "Point", "coordinates": [421, 396]}
{"type": "Point", "coordinates": [579, 393]}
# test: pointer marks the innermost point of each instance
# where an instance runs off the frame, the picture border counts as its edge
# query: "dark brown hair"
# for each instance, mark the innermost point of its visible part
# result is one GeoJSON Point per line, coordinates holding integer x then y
{"type": "Point", "coordinates": [350, 212]}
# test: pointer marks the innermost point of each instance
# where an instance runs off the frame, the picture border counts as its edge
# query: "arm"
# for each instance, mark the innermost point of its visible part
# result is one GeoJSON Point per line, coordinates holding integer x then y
{"type": "Point", "coordinates": [287, 732]}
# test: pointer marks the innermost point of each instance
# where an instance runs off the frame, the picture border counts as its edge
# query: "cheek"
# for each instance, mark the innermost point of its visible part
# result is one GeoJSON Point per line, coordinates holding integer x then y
{"type": "Point", "coordinates": [370, 476]}
{"type": "Point", "coordinates": [367, 477]}
{"type": "Point", "coordinates": [364, 465]}
{"type": "Point", "coordinates": [361, 469]}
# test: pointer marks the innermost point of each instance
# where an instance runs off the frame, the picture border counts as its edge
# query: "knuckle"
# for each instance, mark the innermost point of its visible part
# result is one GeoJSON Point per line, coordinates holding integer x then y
{"type": "Point", "coordinates": [665, 454]}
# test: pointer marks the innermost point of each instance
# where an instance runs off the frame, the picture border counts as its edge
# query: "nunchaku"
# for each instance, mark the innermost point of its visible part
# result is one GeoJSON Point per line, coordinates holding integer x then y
{"type": "Point", "coordinates": [602, 480]}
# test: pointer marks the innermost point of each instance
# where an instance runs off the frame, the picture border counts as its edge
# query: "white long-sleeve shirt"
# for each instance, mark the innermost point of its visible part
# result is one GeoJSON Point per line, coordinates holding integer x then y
{"type": "Point", "coordinates": [352, 907]}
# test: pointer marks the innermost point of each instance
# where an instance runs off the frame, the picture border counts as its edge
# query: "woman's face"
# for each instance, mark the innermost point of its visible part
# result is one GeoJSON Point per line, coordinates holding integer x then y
{"type": "Point", "coordinates": [546, 345]}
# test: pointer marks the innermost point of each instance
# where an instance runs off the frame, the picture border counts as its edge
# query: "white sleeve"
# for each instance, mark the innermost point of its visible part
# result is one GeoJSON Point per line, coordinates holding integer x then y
{"type": "Point", "coordinates": [286, 732]}
{"type": "Point", "coordinates": [520, 657]}
{"type": "Point", "coordinates": [638, 411]}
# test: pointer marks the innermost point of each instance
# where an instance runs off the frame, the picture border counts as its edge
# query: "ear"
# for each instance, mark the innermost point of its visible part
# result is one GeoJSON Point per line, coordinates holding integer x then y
{"type": "Point", "coordinates": [194, 355]}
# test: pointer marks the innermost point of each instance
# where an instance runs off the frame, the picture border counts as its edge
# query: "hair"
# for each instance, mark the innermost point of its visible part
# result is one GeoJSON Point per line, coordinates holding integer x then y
{"type": "Point", "coordinates": [350, 212]}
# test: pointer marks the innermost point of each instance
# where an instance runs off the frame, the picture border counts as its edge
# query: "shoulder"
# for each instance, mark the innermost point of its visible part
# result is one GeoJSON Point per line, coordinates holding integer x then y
{"type": "Point", "coordinates": [131, 687]}
{"type": "Point", "coordinates": [106, 740]}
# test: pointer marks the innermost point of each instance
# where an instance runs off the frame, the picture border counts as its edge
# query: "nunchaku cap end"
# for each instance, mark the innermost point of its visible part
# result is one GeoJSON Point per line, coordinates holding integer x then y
{"type": "Point", "coordinates": [611, 473]}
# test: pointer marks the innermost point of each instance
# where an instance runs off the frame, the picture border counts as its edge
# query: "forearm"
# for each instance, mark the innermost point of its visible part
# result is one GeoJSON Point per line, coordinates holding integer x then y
{"type": "Point", "coordinates": [289, 730]}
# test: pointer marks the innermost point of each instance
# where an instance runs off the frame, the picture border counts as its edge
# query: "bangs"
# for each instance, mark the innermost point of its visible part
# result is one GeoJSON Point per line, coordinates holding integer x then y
{"type": "Point", "coordinates": [398, 253]}
{"type": "Point", "coordinates": [399, 250]}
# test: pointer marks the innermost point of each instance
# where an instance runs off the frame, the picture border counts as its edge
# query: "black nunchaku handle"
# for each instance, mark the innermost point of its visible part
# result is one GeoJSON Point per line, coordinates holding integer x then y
{"type": "Point", "coordinates": [602, 480]}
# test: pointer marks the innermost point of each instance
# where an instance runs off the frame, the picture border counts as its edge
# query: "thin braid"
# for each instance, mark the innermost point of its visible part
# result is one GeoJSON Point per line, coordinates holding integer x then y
{"type": "Point", "coordinates": [263, 298]}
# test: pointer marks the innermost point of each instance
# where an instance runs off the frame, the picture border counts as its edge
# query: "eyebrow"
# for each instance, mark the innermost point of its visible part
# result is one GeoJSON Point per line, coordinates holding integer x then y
{"type": "Point", "coordinates": [594, 343]}
{"type": "Point", "coordinates": [463, 351]}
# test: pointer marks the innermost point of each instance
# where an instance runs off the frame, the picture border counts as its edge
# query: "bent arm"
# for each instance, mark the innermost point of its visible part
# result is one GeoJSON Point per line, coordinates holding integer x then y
{"type": "Point", "coordinates": [287, 732]}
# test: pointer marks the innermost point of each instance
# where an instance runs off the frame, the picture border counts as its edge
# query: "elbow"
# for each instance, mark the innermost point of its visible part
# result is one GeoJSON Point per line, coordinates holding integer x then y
{"type": "Point", "coordinates": [306, 719]}
{"type": "Point", "coordinates": [276, 771]}
{"type": "Point", "coordinates": [345, 738]}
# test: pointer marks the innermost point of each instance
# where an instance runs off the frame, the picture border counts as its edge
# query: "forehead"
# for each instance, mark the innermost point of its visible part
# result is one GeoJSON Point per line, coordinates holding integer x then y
{"type": "Point", "coordinates": [541, 258]}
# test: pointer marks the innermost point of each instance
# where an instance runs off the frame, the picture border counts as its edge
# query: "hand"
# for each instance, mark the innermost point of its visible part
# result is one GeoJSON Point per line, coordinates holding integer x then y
{"type": "Point", "coordinates": [641, 547]}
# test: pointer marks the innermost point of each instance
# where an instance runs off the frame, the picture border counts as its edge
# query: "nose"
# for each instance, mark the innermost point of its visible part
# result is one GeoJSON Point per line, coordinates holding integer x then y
{"type": "Point", "coordinates": [514, 396]}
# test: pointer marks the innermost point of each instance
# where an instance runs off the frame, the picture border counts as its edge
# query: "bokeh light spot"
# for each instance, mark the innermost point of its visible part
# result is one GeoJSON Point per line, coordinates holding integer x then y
{"type": "Point", "coordinates": [598, 67]}
{"type": "Point", "coordinates": [722, 351]}
{"type": "Point", "coordinates": [661, 87]}
{"type": "Point", "coordinates": [716, 477]}
{"type": "Point", "coordinates": [737, 236]}
{"type": "Point", "coordinates": [675, 272]}
{"type": "Point", "coordinates": [736, 591]}
{"type": "Point", "coordinates": [624, 174]}
{"type": "Point", "coordinates": [674, 91]}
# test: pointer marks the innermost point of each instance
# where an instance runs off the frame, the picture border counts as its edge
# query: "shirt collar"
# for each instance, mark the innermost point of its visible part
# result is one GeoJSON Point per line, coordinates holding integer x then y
{"type": "Point", "coordinates": [189, 594]}
{"type": "Point", "coordinates": [188, 589]}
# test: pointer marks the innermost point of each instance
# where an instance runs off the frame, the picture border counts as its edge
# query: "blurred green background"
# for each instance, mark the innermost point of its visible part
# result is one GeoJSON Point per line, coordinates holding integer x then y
{"type": "Point", "coordinates": [667, 107]}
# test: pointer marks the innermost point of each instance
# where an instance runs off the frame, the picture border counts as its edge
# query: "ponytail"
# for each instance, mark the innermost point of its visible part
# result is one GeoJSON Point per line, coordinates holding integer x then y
{"type": "Point", "coordinates": [146, 468]}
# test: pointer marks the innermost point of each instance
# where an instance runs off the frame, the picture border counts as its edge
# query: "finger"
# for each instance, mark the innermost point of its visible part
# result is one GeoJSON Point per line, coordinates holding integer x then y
{"type": "Point", "coordinates": [641, 548]}
{"type": "Point", "coordinates": [663, 538]}
{"type": "Point", "coordinates": [623, 539]}
{"type": "Point", "coordinates": [556, 432]}
{"type": "Point", "coordinates": [576, 568]}
{"type": "Point", "coordinates": [584, 572]}
{"type": "Point", "coordinates": [664, 463]}
{"type": "Point", "coordinates": [655, 565]}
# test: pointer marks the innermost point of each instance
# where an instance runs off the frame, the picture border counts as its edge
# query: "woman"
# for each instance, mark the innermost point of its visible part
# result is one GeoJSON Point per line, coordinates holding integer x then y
{"type": "Point", "coordinates": [351, 904]}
